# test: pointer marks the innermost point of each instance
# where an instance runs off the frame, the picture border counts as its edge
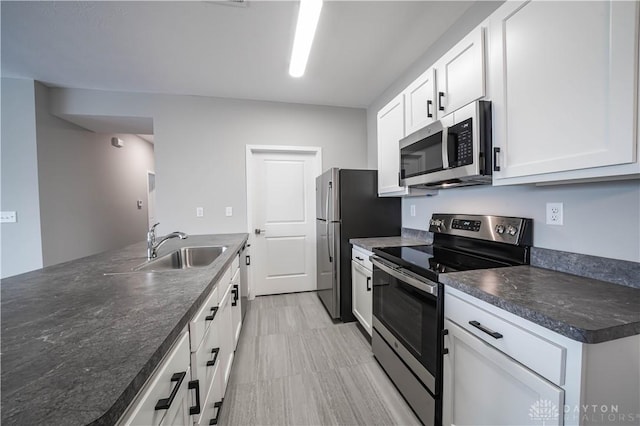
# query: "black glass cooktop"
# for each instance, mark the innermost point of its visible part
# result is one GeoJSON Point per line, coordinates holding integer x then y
{"type": "Point", "coordinates": [429, 260]}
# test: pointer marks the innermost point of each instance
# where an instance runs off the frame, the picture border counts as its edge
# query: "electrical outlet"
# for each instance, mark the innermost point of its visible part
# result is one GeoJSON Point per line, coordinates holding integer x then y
{"type": "Point", "coordinates": [228, 211]}
{"type": "Point", "coordinates": [413, 210]}
{"type": "Point", "coordinates": [8, 217]}
{"type": "Point", "coordinates": [199, 212]}
{"type": "Point", "coordinates": [554, 214]}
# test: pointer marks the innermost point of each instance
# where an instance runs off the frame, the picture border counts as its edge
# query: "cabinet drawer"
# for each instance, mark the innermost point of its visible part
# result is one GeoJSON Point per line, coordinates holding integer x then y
{"type": "Point", "coordinates": [213, 404]}
{"type": "Point", "coordinates": [206, 360]}
{"type": "Point", "coordinates": [535, 352]}
{"type": "Point", "coordinates": [200, 323]}
{"type": "Point", "coordinates": [161, 385]}
{"type": "Point", "coordinates": [361, 257]}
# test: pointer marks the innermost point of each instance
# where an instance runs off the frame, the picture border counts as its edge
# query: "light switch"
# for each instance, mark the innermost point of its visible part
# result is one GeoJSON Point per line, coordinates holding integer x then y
{"type": "Point", "coordinates": [229, 211]}
{"type": "Point", "coordinates": [199, 211]}
{"type": "Point", "coordinates": [8, 217]}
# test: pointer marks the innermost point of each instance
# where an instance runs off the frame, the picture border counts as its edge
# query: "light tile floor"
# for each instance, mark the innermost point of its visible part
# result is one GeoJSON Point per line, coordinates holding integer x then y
{"type": "Point", "coordinates": [294, 366]}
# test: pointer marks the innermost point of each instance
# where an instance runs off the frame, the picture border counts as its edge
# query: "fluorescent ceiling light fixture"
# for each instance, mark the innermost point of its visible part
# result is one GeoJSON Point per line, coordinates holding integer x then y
{"type": "Point", "coordinates": [305, 31]}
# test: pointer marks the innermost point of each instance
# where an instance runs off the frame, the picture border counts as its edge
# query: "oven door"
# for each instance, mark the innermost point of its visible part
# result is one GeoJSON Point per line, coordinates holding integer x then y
{"type": "Point", "coordinates": [406, 311]}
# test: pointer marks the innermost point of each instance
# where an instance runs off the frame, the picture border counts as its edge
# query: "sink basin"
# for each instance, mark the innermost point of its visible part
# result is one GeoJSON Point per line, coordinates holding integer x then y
{"type": "Point", "coordinates": [184, 258]}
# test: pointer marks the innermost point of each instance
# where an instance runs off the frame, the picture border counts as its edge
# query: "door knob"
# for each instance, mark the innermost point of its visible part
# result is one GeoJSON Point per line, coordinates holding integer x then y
{"type": "Point", "coordinates": [259, 231]}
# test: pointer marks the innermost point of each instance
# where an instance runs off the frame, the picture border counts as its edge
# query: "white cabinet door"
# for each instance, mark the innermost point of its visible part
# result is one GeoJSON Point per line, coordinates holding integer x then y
{"type": "Point", "coordinates": [482, 386]}
{"type": "Point", "coordinates": [419, 102]}
{"type": "Point", "coordinates": [562, 82]}
{"type": "Point", "coordinates": [460, 74]}
{"type": "Point", "coordinates": [390, 131]}
{"type": "Point", "coordinates": [362, 295]}
{"type": "Point", "coordinates": [226, 338]}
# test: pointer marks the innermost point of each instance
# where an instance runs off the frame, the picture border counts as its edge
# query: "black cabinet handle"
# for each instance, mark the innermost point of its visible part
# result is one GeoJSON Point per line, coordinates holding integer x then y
{"type": "Point", "coordinates": [368, 283]}
{"type": "Point", "coordinates": [165, 403]}
{"type": "Point", "coordinates": [484, 329]}
{"type": "Point", "coordinates": [440, 96]}
{"type": "Point", "coordinates": [212, 362]}
{"type": "Point", "coordinates": [429, 103]}
{"type": "Point", "coordinates": [247, 260]}
{"type": "Point", "coordinates": [360, 259]}
{"type": "Point", "coordinates": [195, 384]}
{"type": "Point", "coordinates": [214, 311]}
{"type": "Point", "coordinates": [218, 405]}
{"type": "Point", "coordinates": [496, 167]}
{"type": "Point", "coordinates": [234, 290]}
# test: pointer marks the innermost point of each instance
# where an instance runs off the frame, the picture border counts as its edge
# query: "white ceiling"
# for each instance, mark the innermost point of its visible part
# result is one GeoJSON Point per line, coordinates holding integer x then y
{"type": "Point", "coordinates": [212, 49]}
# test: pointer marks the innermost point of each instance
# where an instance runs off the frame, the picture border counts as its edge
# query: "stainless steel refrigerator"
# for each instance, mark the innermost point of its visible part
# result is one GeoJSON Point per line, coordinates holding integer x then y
{"type": "Point", "coordinates": [347, 206]}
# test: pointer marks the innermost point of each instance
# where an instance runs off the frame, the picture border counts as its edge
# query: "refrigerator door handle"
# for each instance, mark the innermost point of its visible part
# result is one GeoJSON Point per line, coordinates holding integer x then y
{"type": "Point", "coordinates": [327, 223]}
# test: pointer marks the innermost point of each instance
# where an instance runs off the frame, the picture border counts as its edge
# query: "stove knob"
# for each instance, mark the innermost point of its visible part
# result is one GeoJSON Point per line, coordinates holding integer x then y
{"type": "Point", "coordinates": [500, 229]}
{"type": "Point", "coordinates": [512, 230]}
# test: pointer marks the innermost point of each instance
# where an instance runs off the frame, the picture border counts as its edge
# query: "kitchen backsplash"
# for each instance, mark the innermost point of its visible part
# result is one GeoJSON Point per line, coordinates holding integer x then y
{"type": "Point", "coordinates": [615, 271]}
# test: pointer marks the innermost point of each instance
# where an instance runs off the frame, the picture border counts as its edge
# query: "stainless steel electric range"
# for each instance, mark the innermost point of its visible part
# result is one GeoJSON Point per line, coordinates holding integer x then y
{"type": "Point", "coordinates": [408, 298]}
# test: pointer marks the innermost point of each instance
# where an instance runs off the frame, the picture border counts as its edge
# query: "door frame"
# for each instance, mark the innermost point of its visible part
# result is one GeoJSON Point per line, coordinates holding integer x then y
{"type": "Point", "coordinates": [283, 149]}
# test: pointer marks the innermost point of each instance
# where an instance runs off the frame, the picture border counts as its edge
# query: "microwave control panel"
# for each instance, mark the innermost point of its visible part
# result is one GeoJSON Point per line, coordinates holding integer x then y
{"type": "Point", "coordinates": [460, 138]}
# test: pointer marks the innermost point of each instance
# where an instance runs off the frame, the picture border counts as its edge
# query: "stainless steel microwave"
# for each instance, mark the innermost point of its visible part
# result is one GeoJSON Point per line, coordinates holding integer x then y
{"type": "Point", "coordinates": [453, 151]}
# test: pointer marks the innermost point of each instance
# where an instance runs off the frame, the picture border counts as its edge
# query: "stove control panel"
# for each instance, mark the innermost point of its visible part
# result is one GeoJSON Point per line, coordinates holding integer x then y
{"type": "Point", "coordinates": [510, 230]}
{"type": "Point", "coordinates": [467, 225]}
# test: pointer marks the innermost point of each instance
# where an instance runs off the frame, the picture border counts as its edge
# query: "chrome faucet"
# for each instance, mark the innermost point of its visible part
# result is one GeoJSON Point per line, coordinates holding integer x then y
{"type": "Point", "coordinates": [152, 247]}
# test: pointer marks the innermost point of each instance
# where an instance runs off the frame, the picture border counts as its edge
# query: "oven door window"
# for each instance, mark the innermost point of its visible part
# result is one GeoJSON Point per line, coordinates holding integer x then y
{"type": "Point", "coordinates": [410, 314]}
{"type": "Point", "coordinates": [423, 156]}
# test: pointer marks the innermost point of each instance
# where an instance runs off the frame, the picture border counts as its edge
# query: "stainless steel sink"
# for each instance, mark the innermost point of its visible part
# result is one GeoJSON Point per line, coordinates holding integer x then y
{"type": "Point", "coordinates": [184, 258]}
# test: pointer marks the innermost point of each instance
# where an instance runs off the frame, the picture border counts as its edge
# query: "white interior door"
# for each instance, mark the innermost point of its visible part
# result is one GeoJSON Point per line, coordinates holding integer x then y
{"type": "Point", "coordinates": [282, 212]}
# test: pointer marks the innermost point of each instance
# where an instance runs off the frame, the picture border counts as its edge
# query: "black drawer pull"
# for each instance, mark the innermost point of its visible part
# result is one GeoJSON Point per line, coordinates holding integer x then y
{"type": "Point", "coordinates": [212, 362]}
{"type": "Point", "coordinates": [484, 329]}
{"type": "Point", "coordinates": [429, 102]}
{"type": "Point", "coordinates": [496, 167]}
{"type": "Point", "coordinates": [195, 384]}
{"type": "Point", "coordinates": [218, 405]}
{"type": "Point", "coordinates": [368, 283]}
{"type": "Point", "coordinates": [214, 311]}
{"type": "Point", "coordinates": [165, 403]}
{"type": "Point", "coordinates": [235, 292]}
{"type": "Point", "coordinates": [360, 259]}
{"type": "Point", "coordinates": [247, 260]}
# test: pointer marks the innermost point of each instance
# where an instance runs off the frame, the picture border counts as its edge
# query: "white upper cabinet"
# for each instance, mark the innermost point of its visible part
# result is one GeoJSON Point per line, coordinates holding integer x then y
{"type": "Point", "coordinates": [390, 131]}
{"type": "Point", "coordinates": [460, 74]}
{"type": "Point", "coordinates": [419, 102]}
{"type": "Point", "coordinates": [564, 87]}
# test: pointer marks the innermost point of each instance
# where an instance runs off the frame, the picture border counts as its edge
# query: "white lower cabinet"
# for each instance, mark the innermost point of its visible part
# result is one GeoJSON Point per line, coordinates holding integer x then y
{"type": "Point", "coordinates": [482, 386]}
{"type": "Point", "coordinates": [188, 386]}
{"type": "Point", "coordinates": [165, 397]}
{"type": "Point", "coordinates": [501, 369]}
{"type": "Point", "coordinates": [362, 287]}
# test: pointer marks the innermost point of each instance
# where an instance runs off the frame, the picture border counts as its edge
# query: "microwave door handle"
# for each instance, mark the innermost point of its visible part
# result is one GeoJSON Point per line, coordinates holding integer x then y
{"type": "Point", "coordinates": [445, 148]}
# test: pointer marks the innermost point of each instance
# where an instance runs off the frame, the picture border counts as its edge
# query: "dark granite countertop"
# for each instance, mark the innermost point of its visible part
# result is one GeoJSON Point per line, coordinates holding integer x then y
{"type": "Point", "coordinates": [583, 309]}
{"type": "Point", "coordinates": [78, 345]}
{"type": "Point", "coordinates": [377, 242]}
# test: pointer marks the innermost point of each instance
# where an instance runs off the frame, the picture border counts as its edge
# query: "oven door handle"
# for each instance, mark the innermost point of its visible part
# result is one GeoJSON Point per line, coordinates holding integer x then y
{"type": "Point", "coordinates": [425, 285]}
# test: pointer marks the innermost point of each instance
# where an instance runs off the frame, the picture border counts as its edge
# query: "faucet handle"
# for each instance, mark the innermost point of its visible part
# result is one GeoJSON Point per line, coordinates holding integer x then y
{"type": "Point", "coordinates": [153, 228]}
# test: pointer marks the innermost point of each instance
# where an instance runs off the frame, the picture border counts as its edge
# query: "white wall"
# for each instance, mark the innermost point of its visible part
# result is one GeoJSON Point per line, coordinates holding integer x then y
{"type": "Point", "coordinates": [21, 243]}
{"type": "Point", "coordinates": [200, 146]}
{"type": "Point", "coordinates": [88, 188]}
{"type": "Point", "coordinates": [601, 219]}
